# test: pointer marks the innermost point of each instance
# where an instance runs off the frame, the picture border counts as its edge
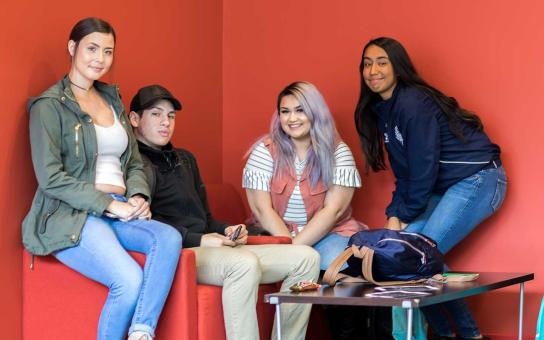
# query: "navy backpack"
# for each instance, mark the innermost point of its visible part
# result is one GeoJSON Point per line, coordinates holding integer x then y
{"type": "Point", "coordinates": [387, 257]}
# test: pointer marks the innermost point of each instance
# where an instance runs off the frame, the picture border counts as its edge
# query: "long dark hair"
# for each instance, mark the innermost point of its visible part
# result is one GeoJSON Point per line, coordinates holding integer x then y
{"type": "Point", "coordinates": [366, 120]}
{"type": "Point", "coordinates": [87, 26]}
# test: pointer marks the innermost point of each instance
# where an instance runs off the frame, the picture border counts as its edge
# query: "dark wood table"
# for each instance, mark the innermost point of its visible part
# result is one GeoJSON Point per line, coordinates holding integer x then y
{"type": "Point", "coordinates": [353, 294]}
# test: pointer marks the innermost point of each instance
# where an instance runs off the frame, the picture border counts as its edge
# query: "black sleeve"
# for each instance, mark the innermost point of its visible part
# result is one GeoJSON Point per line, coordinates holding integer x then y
{"type": "Point", "coordinates": [213, 225]}
{"type": "Point", "coordinates": [189, 239]}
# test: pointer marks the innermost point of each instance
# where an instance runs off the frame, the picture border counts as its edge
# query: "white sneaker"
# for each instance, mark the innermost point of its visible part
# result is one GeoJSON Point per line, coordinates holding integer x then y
{"type": "Point", "coordinates": [139, 335]}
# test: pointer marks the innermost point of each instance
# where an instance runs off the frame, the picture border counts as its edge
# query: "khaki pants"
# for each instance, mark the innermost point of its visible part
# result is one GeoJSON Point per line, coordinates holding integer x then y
{"type": "Point", "coordinates": [240, 270]}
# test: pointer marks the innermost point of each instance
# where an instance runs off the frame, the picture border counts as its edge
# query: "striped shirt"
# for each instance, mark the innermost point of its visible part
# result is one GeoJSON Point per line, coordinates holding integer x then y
{"type": "Point", "coordinates": [260, 167]}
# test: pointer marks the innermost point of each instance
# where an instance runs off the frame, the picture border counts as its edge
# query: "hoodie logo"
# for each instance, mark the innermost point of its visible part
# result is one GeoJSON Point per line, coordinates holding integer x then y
{"type": "Point", "coordinates": [398, 136]}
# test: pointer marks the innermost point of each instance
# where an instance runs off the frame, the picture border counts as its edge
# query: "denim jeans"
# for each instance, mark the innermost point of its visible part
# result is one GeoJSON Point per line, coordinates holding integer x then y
{"type": "Point", "coordinates": [136, 294]}
{"type": "Point", "coordinates": [448, 219]}
{"type": "Point", "coordinates": [329, 247]}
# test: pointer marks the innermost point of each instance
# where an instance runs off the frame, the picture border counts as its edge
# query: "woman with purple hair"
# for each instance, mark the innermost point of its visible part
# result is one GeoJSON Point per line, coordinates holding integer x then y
{"type": "Point", "coordinates": [300, 178]}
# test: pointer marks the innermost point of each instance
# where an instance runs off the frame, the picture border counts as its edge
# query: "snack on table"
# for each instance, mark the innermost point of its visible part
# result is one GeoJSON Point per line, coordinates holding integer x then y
{"type": "Point", "coordinates": [305, 285]}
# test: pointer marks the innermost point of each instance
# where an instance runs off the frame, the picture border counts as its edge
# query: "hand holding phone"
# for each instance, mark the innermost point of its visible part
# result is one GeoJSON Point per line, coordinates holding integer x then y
{"type": "Point", "coordinates": [236, 233]}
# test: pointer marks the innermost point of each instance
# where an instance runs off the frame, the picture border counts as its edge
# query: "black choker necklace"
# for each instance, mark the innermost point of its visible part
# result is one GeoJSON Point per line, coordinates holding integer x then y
{"type": "Point", "coordinates": [79, 87]}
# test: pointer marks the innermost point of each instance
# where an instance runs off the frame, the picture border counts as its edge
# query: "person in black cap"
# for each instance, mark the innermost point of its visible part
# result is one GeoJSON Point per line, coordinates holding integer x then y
{"type": "Point", "coordinates": [178, 198]}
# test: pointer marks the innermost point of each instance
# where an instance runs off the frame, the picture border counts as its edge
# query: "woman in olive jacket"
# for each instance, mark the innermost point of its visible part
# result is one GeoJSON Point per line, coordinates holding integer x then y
{"type": "Point", "coordinates": [90, 207]}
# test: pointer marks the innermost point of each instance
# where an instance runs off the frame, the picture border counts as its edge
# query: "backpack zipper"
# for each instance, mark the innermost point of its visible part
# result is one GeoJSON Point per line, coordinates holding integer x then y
{"type": "Point", "coordinates": [431, 243]}
{"type": "Point", "coordinates": [423, 258]}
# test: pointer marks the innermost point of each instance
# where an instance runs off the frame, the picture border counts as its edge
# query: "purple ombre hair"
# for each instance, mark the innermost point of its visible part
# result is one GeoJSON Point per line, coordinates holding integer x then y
{"type": "Point", "coordinates": [320, 157]}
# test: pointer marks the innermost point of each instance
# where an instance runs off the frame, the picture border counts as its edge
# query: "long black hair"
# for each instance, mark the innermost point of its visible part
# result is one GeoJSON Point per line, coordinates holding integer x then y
{"type": "Point", "coordinates": [366, 120]}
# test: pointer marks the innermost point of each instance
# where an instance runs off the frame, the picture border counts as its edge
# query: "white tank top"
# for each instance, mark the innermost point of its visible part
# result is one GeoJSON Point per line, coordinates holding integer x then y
{"type": "Point", "coordinates": [112, 141]}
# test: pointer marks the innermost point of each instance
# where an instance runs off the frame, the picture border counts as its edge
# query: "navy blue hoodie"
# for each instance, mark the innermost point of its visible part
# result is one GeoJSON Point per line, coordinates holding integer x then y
{"type": "Point", "coordinates": [426, 157]}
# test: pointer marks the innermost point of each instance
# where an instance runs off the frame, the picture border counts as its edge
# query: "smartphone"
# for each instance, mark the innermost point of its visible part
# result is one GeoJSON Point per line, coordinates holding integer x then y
{"type": "Point", "coordinates": [236, 233]}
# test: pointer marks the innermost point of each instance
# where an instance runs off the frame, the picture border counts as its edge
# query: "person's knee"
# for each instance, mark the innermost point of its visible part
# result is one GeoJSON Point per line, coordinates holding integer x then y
{"type": "Point", "coordinates": [169, 238]}
{"type": "Point", "coordinates": [127, 284]}
{"type": "Point", "coordinates": [309, 260]}
{"type": "Point", "coordinates": [174, 239]}
{"type": "Point", "coordinates": [310, 254]}
{"type": "Point", "coordinates": [246, 266]}
{"type": "Point", "coordinates": [328, 253]}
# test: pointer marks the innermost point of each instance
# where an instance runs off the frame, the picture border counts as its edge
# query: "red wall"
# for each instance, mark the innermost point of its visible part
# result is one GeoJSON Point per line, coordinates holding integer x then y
{"type": "Point", "coordinates": [175, 43]}
{"type": "Point", "coordinates": [488, 54]}
{"type": "Point", "coordinates": [227, 61]}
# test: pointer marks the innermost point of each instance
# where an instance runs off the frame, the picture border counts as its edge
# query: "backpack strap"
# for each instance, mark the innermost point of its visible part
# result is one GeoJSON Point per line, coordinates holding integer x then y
{"type": "Point", "coordinates": [331, 275]}
{"type": "Point", "coordinates": [368, 256]}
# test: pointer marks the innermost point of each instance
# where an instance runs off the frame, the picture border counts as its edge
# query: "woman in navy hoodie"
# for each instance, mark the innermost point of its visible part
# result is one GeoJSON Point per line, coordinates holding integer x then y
{"type": "Point", "coordinates": [449, 176]}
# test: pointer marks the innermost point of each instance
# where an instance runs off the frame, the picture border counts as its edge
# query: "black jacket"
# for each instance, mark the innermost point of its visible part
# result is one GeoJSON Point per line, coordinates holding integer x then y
{"type": "Point", "coordinates": [178, 195]}
{"type": "Point", "coordinates": [426, 157]}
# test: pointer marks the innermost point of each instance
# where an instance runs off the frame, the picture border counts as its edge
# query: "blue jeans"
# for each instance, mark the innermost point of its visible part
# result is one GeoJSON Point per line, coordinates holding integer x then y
{"type": "Point", "coordinates": [329, 247]}
{"type": "Point", "coordinates": [448, 219]}
{"type": "Point", "coordinates": [101, 255]}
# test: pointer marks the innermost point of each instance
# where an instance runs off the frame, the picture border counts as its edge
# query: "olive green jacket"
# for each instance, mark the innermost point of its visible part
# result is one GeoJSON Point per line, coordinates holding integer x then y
{"type": "Point", "coordinates": [64, 150]}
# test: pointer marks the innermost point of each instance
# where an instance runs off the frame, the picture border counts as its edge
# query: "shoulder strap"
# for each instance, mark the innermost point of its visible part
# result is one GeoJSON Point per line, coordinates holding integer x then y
{"type": "Point", "coordinates": [331, 275]}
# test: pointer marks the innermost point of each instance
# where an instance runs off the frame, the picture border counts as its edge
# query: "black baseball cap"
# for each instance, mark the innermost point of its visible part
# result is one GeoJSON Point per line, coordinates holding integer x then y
{"type": "Point", "coordinates": [146, 96]}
